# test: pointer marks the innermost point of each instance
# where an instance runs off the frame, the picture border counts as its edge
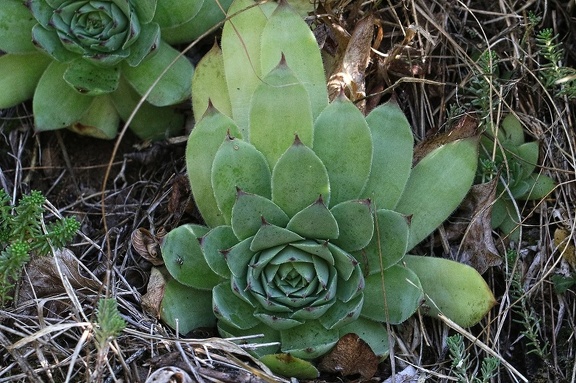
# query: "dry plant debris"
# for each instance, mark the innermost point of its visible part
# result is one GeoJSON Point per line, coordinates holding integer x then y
{"type": "Point", "coordinates": [424, 52]}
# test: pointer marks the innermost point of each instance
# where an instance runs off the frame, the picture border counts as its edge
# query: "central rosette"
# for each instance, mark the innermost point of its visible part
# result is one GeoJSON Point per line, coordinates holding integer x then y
{"type": "Point", "coordinates": [287, 278]}
{"type": "Point", "coordinates": [101, 32]}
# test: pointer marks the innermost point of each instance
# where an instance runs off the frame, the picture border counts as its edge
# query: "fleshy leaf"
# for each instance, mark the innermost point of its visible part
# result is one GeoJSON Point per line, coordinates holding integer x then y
{"type": "Point", "coordinates": [186, 308]}
{"type": "Point", "coordinates": [352, 286]}
{"type": "Point", "coordinates": [209, 15]}
{"type": "Point", "coordinates": [269, 336]}
{"type": "Point", "coordinates": [271, 235]}
{"type": "Point", "coordinates": [177, 12]}
{"type": "Point", "coordinates": [145, 9]}
{"type": "Point", "coordinates": [392, 297]}
{"type": "Point", "coordinates": [314, 221]}
{"type": "Point", "coordinates": [308, 341]}
{"type": "Point", "coordinates": [241, 52]}
{"type": "Point", "coordinates": [218, 239]}
{"type": "Point", "coordinates": [49, 41]}
{"type": "Point", "coordinates": [203, 144]}
{"type": "Point", "coordinates": [15, 27]}
{"type": "Point", "coordinates": [100, 120]}
{"type": "Point", "coordinates": [19, 75]}
{"type": "Point", "coordinates": [173, 87]}
{"type": "Point", "coordinates": [276, 320]}
{"type": "Point", "coordinates": [452, 288]}
{"type": "Point", "coordinates": [527, 158]}
{"type": "Point", "coordinates": [290, 366]}
{"type": "Point", "coordinates": [343, 142]}
{"type": "Point", "coordinates": [392, 155]}
{"type": "Point", "coordinates": [238, 164]}
{"type": "Point", "coordinates": [298, 179]}
{"type": "Point", "coordinates": [437, 185]}
{"type": "Point", "coordinates": [57, 109]}
{"type": "Point", "coordinates": [185, 260]}
{"type": "Point", "coordinates": [511, 132]}
{"type": "Point", "coordinates": [356, 224]}
{"type": "Point", "coordinates": [373, 333]}
{"type": "Point", "coordinates": [248, 211]}
{"type": "Point", "coordinates": [209, 84]}
{"type": "Point", "coordinates": [232, 310]}
{"type": "Point", "coordinates": [344, 262]}
{"type": "Point", "coordinates": [312, 247]}
{"type": "Point", "coordinates": [279, 109]}
{"type": "Point", "coordinates": [388, 244]}
{"type": "Point", "coordinates": [540, 186]}
{"type": "Point", "coordinates": [90, 79]}
{"type": "Point", "coordinates": [342, 313]}
{"type": "Point", "coordinates": [238, 258]}
{"type": "Point", "coordinates": [287, 34]}
{"type": "Point", "coordinates": [150, 122]}
{"type": "Point", "coordinates": [146, 45]}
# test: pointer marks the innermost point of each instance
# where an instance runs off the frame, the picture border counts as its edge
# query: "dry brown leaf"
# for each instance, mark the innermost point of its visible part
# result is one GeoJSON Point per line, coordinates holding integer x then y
{"type": "Point", "coordinates": [477, 248]}
{"type": "Point", "coordinates": [169, 374]}
{"type": "Point", "coordinates": [350, 356]}
{"type": "Point", "coordinates": [465, 128]}
{"type": "Point", "coordinates": [152, 300]}
{"type": "Point", "coordinates": [147, 245]}
{"type": "Point", "coordinates": [350, 69]}
{"type": "Point", "coordinates": [43, 278]}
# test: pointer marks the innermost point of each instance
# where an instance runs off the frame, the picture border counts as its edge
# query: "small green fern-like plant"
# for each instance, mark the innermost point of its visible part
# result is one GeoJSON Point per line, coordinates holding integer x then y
{"type": "Point", "coordinates": [528, 318]}
{"type": "Point", "coordinates": [110, 323]}
{"type": "Point", "coordinates": [556, 77]}
{"type": "Point", "coordinates": [462, 366]}
{"type": "Point", "coordinates": [482, 83]}
{"type": "Point", "coordinates": [21, 234]}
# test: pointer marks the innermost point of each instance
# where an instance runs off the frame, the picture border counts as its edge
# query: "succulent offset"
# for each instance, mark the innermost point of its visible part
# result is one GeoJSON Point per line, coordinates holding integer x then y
{"type": "Point", "coordinates": [87, 63]}
{"type": "Point", "coordinates": [506, 154]}
{"type": "Point", "coordinates": [310, 207]}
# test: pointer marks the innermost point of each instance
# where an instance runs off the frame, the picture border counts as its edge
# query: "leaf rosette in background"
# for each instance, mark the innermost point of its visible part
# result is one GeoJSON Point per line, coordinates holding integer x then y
{"type": "Point", "coordinates": [86, 64]}
{"type": "Point", "coordinates": [310, 207]}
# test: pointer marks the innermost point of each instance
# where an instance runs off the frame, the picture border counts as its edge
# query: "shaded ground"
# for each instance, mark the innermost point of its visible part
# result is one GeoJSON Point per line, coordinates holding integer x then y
{"type": "Point", "coordinates": [436, 76]}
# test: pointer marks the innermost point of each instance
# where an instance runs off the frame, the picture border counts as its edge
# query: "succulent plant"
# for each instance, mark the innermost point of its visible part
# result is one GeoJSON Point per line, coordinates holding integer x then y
{"type": "Point", "coordinates": [507, 154]}
{"type": "Point", "coordinates": [310, 207]}
{"type": "Point", "coordinates": [87, 63]}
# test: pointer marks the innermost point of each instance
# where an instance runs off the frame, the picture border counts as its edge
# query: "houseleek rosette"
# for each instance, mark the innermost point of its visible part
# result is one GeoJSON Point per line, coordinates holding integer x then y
{"type": "Point", "coordinates": [309, 207]}
{"type": "Point", "coordinates": [87, 63]}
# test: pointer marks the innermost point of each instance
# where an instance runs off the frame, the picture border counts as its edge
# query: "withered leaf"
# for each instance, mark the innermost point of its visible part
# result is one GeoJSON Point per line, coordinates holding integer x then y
{"type": "Point", "coordinates": [465, 128]}
{"type": "Point", "coordinates": [152, 300]}
{"type": "Point", "coordinates": [147, 245]}
{"type": "Point", "coordinates": [350, 356]}
{"type": "Point", "coordinates": [566, 248]}
{"type": "Point", "coordinates": [43, 278]}
{"type": "Point", "coordinates": [350, 68]}
{"type": "Point", "coordinates": [170, 374]}
{"type": "Point", "coordinates": [477, 248]}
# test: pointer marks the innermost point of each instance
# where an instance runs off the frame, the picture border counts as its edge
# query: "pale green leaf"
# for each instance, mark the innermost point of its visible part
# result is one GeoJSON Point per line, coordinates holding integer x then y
{"type": "Point", "coordinates": [173, 86]}
{"type": "Point", "coordinates": [437, 185]}
{"type": "Point", "coordinates": [343, 142]}
{"type": "Point", "coordinates": [453, 289]}
{"type": "Point", "coordinates": [298, 179]}
{"type": "Point", "coordinates": [392, 155]}
{"type": "Point", "coordinates": [19, 75]}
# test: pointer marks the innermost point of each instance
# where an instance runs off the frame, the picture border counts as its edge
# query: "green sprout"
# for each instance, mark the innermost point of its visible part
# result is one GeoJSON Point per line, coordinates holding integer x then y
{"type": "Point", "coordinates": [87, 64]}
{"type": "Point", "coordinates": [310, 207]}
